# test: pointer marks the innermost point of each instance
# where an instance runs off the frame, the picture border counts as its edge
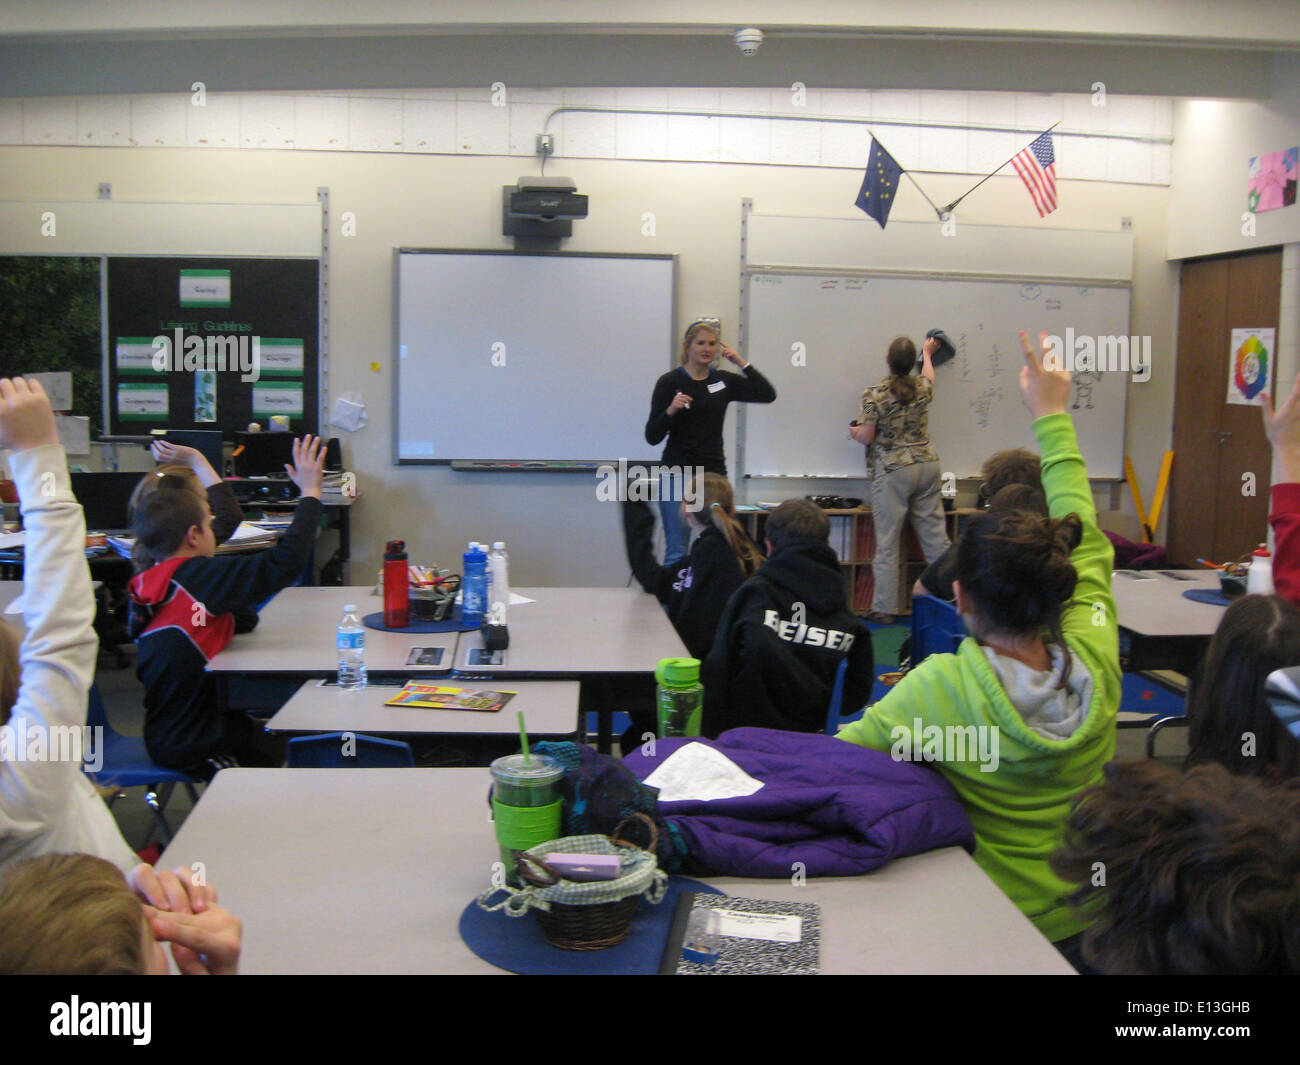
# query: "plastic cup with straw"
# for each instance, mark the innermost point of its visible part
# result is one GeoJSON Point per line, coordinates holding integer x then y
{"type": "Point", "coordinates": [527, 806]}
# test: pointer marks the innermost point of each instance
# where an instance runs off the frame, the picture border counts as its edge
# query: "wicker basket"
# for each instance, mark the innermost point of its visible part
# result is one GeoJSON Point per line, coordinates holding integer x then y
{"type": "Point", "coordinates": [585, 916]}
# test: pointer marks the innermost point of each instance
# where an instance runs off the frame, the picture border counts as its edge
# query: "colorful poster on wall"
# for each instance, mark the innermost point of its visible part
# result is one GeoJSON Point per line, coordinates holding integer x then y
{"type": "Point", "coordinates": [1250, 366]}
{"type": "Point", "coordinates": [1272, 180]}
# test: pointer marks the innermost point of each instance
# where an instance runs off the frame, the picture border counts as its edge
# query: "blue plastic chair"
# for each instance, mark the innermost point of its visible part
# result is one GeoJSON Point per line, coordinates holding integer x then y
{"type": "Point", "coordinates": [837, 689]}
{"type": "Point", "coordinates": [126, 764]}
{"type": "Point", "coordinates": [326, 752]}
{"type": "Point", "coordinates": [937, 628]}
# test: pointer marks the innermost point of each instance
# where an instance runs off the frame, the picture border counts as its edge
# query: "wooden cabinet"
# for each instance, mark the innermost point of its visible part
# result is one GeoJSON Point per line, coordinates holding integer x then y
{"type": "Point", "coordinates": [853, 538]}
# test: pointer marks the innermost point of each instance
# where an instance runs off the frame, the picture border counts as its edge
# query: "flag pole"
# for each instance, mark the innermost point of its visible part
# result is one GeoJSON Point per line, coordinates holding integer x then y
{"type": "Point", "coordinates": [985, 178]}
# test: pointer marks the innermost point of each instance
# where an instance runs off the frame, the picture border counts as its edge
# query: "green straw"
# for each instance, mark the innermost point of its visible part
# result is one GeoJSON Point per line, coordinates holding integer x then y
{"type": "Point", "coordinates": [523, 739]}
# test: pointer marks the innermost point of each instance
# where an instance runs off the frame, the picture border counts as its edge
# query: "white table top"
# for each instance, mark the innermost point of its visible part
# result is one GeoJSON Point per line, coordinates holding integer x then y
{"type": "Point", "coordinates": [1151, 602]}
{"type": "Point", "coordinates": [368, 870]}
{"type": "Point", "coordinates": [550, 708]}
{"type": "Point", "coordinates": [295, 634]}
{"type": "Point", "coordinates": [570, 631]}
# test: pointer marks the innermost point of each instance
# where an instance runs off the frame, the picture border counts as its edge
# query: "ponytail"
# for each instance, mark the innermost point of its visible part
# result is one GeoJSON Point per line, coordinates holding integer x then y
{"type": "Point", "coordinates": [719, 505]}
{"type": "Point", "coordinates": [902, 360]}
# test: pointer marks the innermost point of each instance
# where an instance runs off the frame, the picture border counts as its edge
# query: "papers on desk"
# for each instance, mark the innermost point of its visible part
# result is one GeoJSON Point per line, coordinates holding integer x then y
{"type": "Point", "coordinates": [13, 539]}
{"type": "Point", "coordinates": [250, 535]}
{"type": "Point", "coordinates": [753, 936]}
{"type": "Point", "coordinates": [702, 773]}
{"type": "Point", "coordinates": [16, 606]}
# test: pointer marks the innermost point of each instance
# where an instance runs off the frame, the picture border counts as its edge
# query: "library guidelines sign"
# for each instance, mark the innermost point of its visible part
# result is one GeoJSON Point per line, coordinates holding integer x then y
{"type": "Point", "coordinates": [205, 343]}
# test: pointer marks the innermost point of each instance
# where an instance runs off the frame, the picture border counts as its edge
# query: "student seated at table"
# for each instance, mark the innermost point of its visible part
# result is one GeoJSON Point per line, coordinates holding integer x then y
{"type": "Point", "coordinates": [1202, 871]}
{"type": "Point", "coordinates": [75, 915]}
{"type": "Point", "coordinates": [694, 589]}
{"type": "Point", "coordinates": [181, 466]}
{"type": "Point", "coordinates": [186, 606]}
{"type": "Point", "coordinates": [1022, 717]}
{"type": "Point", "coordinates": [783, 634]}
{"type": "Point", "coordinates": [47, 802]}
{"type": "Point", "coordinates": [1228, 716]}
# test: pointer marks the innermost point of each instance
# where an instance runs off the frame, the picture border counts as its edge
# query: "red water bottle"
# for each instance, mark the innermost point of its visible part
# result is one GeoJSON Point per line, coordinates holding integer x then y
{"type": "Point", "coordinates": [397, 586]}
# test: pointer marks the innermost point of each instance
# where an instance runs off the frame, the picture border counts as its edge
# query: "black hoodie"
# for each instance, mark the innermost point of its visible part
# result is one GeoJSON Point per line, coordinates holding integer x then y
{"type": "Point", "coordinates": [779, 643]}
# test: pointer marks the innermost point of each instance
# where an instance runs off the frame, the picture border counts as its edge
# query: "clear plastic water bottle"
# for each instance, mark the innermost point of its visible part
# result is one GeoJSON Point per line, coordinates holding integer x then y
{"type": "Point", "coordinates": [474, 586]}
{"type": "Point", "coordinates": [498, 583]}
{"type": "Point", "coordinates": [351, 643]}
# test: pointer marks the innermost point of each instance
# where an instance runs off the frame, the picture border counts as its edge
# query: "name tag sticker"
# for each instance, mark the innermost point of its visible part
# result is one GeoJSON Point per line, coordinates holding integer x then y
{"type": "Point", "coordinates": [717, 386]}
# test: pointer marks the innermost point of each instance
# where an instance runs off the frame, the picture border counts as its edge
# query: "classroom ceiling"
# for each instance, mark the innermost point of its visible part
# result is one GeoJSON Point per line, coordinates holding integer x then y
{"type": "Point", "coordinates": [1196, 48]}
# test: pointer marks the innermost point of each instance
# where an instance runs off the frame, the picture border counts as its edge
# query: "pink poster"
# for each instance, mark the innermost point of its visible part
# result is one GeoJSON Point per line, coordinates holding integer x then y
{"type": "Point", "coordinates": [1272, 181]}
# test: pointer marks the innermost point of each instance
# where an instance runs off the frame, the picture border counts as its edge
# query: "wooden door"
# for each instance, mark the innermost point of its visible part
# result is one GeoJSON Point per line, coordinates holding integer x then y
{"type": "Point", "coordinates": [1211, 513]}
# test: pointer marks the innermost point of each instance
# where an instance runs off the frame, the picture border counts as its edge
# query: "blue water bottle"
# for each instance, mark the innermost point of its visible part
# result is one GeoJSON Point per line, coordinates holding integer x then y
{"type": "Point", "coordinates": [474, 587]}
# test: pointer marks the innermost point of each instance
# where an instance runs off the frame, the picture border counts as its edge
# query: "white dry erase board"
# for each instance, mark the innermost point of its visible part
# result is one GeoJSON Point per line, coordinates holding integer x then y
{"type": "Point", "coordinates": [539, 357]}
{"type": "Point", "coordinates": [820, 336]}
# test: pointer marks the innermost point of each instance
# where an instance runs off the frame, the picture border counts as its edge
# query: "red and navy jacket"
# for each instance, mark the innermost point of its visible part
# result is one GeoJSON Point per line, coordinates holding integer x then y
{"type": "Point", "coordinates": [184, 611]}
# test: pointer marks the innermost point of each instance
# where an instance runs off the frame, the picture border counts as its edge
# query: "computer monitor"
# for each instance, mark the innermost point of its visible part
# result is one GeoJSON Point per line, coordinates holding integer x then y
{"type": "Point", "coordinates": [104, 498]}
{"type": "Point", "coordinates": [207, 441]}
{"type": "Point", "coordinates": [266, 454]}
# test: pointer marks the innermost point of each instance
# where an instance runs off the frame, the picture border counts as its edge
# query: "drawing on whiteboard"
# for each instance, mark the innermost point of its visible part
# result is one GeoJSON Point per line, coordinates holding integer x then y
{"type": "Point", "coordinates": [1084, 382]}
{"type": "Point", "coordinates": [1030, 292]}
{"type": "Point", "coordinates": [981, 404]}
{"type": "Point", "coordinates": [995, 363]}
{"type": "Point", "coordinates": [1052, 305]}
{"type": "Point", "coordinates": [830, 282]}
{"type": "Point", "coordinates": [963, 356]}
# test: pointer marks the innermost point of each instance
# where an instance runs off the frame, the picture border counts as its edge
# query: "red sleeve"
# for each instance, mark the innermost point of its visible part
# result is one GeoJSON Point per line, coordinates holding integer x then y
{"type": "Point", "coordinates": [1285, 520]}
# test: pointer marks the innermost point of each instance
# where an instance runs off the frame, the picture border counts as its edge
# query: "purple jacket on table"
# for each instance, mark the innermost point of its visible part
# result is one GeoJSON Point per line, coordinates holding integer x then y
{"type": "Point", "coordinates": [836, 808]}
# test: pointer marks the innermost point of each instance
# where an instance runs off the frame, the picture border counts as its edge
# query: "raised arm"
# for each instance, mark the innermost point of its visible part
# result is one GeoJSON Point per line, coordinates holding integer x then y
{"type": "Point", "coordinates": [1282, 427]}
{"type": "Point", "coordinates": [752, 386]}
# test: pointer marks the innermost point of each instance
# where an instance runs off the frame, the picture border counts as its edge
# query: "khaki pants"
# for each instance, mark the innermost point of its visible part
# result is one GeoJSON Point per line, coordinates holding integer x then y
{"type": "Point", "coordinates": [909, 490]}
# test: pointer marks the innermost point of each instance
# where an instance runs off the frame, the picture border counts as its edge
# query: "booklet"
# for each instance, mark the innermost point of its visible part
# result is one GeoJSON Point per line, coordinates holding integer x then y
{"type": "Point", "coordinates": [444, 697]}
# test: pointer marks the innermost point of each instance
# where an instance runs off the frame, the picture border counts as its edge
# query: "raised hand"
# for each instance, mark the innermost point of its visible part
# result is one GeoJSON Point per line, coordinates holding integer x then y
{"type": "Point", "coordinates": [1044, 391]}
{"type": "Point", "coordinates": [26, 420]}
{"type": "Point", "coordinates": [1282, 427]}
{"type": "Point", "coordinates": [733, 356]}
{"type": "Point", "coordinates": [308, 462]}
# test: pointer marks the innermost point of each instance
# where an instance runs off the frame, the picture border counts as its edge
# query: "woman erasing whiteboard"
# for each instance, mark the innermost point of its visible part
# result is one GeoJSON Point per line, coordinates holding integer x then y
{"type": "Point", "coordinates": [689, 406]}
{"type": "Point", "coordinates": [903, 466]}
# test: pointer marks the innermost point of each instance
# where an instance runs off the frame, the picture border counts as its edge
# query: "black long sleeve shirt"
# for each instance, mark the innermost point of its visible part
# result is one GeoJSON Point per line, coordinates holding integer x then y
{"type": "Point", "coordinates": [695, 434]}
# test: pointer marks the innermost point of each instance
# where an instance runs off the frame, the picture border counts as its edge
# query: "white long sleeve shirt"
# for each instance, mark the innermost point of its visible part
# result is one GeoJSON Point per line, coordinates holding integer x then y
{"type": "Point", "coordinates": [47, 804]}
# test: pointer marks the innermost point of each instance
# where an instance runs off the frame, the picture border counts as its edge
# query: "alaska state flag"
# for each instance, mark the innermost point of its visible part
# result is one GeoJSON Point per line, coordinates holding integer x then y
{"type": "Point", "coordinates": [880, 184]}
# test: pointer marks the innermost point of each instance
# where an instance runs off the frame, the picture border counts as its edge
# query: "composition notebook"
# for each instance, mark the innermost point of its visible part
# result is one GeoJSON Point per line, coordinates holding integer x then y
{"type": "Point", "coordinates": [757, 937]}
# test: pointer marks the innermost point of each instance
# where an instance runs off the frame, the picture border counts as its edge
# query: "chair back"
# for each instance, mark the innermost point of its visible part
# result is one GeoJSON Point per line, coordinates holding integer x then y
{"type": "Point", "coordinates": [833, 712]}
{"type": "Point", "coordinates": [338, 750]}
{"type": "Point", "coordinates": [937, 628]}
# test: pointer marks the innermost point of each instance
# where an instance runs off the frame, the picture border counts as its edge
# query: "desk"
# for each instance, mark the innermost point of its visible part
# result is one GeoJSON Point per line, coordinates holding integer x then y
{"type": "Point", "coordinates": [1163, 630]}
{"type": "Point", "coordinates": [368, 870]}
{"type": "Point", "coordinates": [602, 636]}
{"type": "Point", "coordinates": [550, 707]}
{"type": "Point", "coordinates": [296, 630]}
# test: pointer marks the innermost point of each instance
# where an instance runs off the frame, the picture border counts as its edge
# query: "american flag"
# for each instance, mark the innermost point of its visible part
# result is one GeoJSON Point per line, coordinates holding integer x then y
{"type": "Point", "coordinates": [1036, 166]}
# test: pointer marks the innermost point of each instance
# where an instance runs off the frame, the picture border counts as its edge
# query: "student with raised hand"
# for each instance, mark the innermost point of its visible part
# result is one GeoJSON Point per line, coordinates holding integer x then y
{"type": "Point", "coordinates": [75, 915]}
{"type": "Point", "coordinates": [187, 606]}
{"type": "Point", "coordinates": [1282, 427]}
{"type": "Point", "coordinates": [196, 473]}
{"type": "Point", "coordinates": [689, 406]}
{"type": "Point", "coordinates": [1022, 717]}
{"type": "Point", "coordinates": [47, 804]}
{"type": "Point", "coordinates": [694, 589]}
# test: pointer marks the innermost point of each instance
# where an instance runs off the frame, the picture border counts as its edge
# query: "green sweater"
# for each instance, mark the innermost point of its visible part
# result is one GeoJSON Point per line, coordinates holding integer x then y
{"type": "Point", "coordinates": [1019, 809]}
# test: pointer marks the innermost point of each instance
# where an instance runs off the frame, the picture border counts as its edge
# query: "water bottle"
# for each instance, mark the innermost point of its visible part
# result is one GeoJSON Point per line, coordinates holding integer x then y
{"type": "Point", "coordinates": [498, 583]}
{"type": "Point", "coordinates": [1259, 578]}
{"type": "Point", "coordinates": [350, 639]}
{"type": "Point", "coordinates": [397, 586]}
{"type": "Point", "coordinates": [680, 697]}
{"type": "Point", "coordinates": [474, 587]}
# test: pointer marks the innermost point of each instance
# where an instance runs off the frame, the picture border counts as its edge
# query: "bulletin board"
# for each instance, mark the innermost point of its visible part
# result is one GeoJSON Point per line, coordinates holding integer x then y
{"type": "Point", "coordinates": [200, 342]}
